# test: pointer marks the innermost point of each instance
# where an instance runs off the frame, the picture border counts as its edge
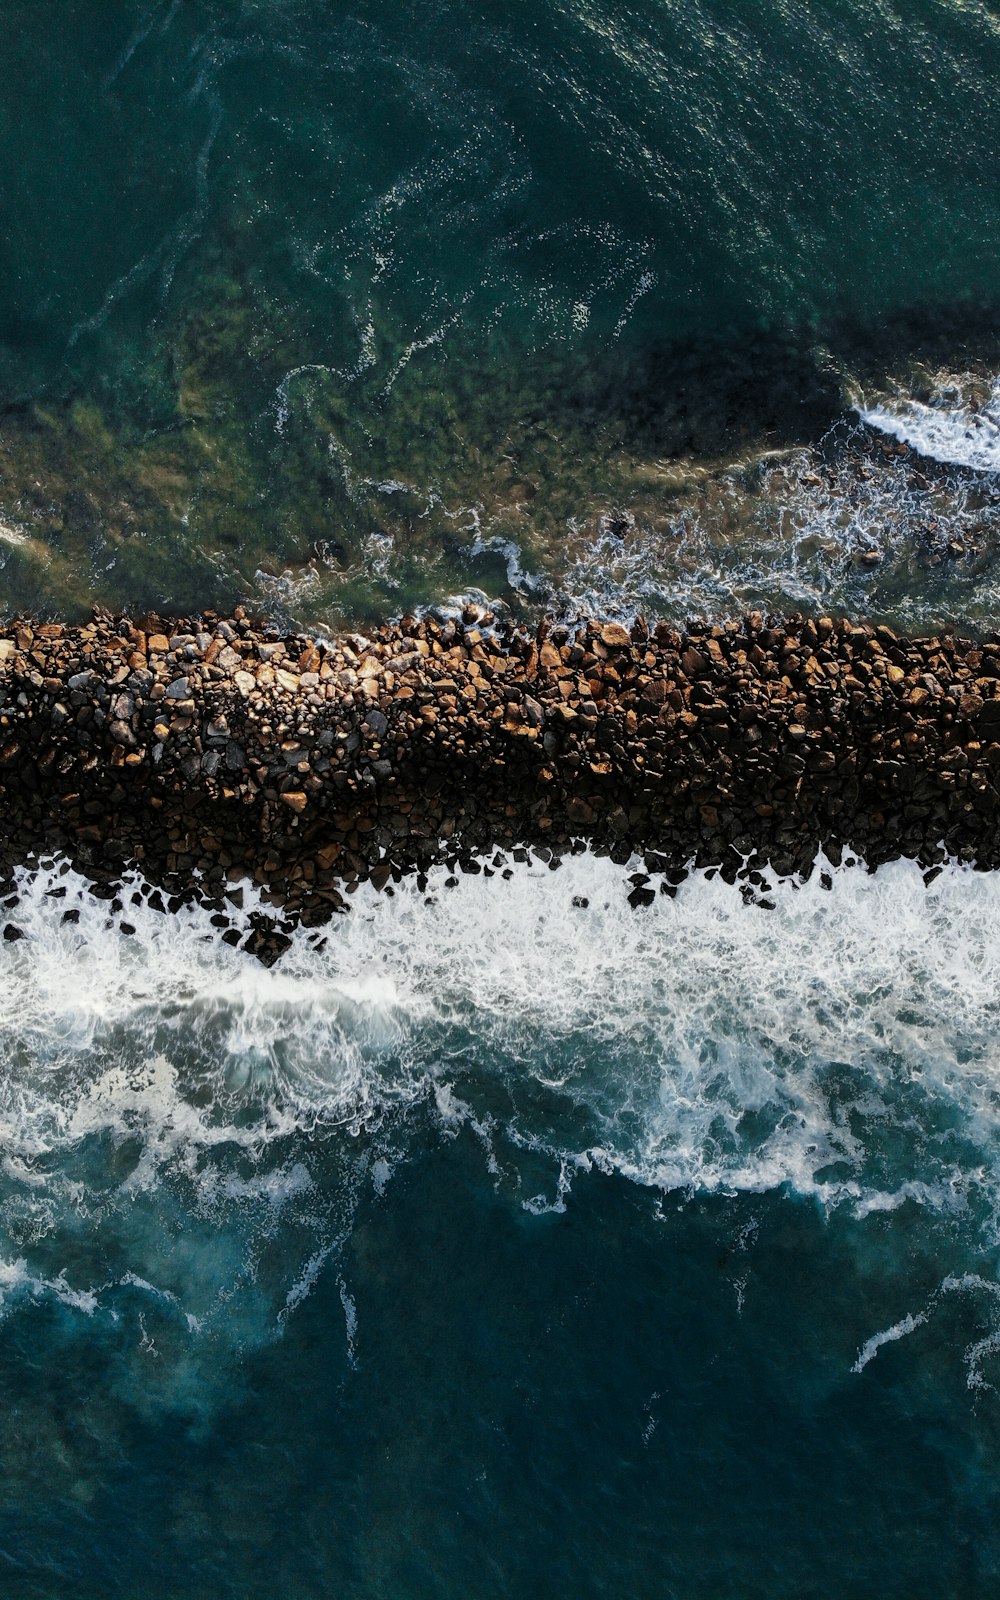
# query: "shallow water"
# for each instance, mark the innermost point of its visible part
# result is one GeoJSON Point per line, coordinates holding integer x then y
{"type": "Point", "coordinates": [340, 311]}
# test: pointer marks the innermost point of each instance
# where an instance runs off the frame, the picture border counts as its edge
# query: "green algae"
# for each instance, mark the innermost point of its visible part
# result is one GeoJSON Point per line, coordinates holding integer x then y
{"type": "Point", "coordinates": [682, 482]}
{"type": "Point", "coordinates": [339, 312]}
{"type": "Point", "coordinates": [263, 469]}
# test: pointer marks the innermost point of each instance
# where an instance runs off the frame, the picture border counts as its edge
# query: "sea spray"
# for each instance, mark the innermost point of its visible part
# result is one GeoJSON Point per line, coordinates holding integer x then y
{"type": "Point", "coordinates": [702, 1044]}
{"type": "Point", "coordinates": [948, 430]}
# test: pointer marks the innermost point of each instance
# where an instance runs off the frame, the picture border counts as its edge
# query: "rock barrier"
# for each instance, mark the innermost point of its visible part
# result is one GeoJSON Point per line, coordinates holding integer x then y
{"type": "Point", "coordinates": [208, 751]}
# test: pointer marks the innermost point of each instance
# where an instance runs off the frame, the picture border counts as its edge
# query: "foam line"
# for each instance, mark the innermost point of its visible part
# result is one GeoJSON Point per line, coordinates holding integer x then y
{"type": "Point", "coordinates": [955, 435]}
{"type": "Point", "coordinates": [838, 1047]}
{"type": "Point", "coordinates": [705, 1043]}
{"type": "Point", "coordinates": [899, 1330]}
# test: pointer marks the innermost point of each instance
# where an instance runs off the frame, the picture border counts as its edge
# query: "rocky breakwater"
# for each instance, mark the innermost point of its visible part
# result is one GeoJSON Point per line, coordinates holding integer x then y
{"type": "Point", "coordinates": [208, 751]}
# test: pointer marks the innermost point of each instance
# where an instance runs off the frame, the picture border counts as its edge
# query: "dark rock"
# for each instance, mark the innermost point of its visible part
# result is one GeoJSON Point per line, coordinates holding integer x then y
{"type": "Point", "coordinates": [641, 897]}
{"type": "Point", "coordinates": [757, 744]}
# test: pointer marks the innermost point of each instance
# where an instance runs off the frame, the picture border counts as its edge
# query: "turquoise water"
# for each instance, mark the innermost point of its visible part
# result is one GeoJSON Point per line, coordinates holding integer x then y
{"type": "Point", "coordinates": [501, 1241]}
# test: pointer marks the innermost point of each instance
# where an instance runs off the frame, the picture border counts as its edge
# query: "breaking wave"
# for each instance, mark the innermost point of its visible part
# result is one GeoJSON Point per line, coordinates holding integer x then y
{"type": "Point", "coordinates": [949, 431]}
{"type": "Point", "coordinates": [841, 1045]}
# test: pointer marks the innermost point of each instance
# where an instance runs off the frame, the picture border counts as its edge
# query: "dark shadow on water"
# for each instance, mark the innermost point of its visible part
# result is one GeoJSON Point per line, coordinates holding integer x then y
{"type": "Point", "coordinates": [783, 386]}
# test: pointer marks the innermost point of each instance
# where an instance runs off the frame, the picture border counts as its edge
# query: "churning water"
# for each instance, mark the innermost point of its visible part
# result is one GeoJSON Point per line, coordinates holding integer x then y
{"type": "Point", "coordinates": [502, 1230]}
{"type": "Point", "coordinates": [502, 1241]}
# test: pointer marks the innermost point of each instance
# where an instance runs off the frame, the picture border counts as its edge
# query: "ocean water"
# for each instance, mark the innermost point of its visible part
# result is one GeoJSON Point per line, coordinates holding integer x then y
{"type": "Point", "coordinates": [504, 1241]}
{"type": "Point", "coordinates": [501, 1241]}
{"type": "Point", "coordinates": [344, 309]}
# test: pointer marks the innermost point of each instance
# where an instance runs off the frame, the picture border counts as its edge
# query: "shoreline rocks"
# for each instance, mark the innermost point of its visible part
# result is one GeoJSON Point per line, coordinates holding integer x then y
{"type": "Point", "coordinates": [207, 751]}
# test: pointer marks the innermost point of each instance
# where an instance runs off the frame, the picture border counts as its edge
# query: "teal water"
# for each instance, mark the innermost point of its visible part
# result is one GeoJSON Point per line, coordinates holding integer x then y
{"type": "Point", "coordinates": [501, 1241]}
{"type": "Point", "coordinates": [341, 309]}
{"type": "Point", "coordinates": [505, 1245]}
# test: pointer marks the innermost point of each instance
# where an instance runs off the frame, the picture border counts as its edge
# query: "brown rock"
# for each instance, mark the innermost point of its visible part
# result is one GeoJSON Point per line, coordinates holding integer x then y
{"type": "Point", "coordinates": [693, 662]}
{"type": "Point", "coordinates": [769, 739]}
{"type": "Point", "coordinates": [615, 636]}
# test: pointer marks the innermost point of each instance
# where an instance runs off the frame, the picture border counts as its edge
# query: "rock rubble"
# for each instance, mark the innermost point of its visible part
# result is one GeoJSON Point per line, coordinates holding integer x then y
{"type": "Point", "coordinates": [208, 751]}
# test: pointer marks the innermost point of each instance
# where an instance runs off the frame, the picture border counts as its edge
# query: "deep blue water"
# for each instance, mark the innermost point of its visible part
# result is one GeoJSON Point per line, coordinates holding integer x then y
{"type": "Point", "coordinates": [572, 1405]}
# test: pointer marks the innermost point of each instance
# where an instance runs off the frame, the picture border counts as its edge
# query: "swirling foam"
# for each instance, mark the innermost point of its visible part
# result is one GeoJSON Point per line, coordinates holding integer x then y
{"type": "Point", "coordinates": [660, 1022]}
{"type": "Point", "coordinates": [955, 434]}
{"type": "Point", "coordinates": [843, 1045]}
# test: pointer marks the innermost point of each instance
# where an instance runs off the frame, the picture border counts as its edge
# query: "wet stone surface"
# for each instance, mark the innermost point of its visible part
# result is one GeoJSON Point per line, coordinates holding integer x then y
{"type": "Point", "coordinates": [207, 752]}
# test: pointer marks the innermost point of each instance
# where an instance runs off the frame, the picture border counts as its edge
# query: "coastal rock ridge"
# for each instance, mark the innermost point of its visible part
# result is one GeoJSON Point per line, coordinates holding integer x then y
{"type": "Point", "coordinates": [209, 751]}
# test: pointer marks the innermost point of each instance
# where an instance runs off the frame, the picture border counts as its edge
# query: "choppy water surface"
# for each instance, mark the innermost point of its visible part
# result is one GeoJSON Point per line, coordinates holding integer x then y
{"type": "Point", "coordinates": [505, 1239]}
{"type": "Point", "coordinates": [502, 1241]}
{"type": "Point", "coordinates": [345, 309]}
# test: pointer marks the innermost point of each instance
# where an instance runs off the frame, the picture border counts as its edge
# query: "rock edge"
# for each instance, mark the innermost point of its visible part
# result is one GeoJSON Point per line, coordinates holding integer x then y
{"type": "Point", "coordinates": [208, 750]}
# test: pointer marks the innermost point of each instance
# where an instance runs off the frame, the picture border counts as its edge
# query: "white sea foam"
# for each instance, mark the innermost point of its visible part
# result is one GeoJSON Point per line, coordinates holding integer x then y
{"type": "Point", "coordinates": [791, 531]}
{"type": "Point", "coordinates": [17, 1281]}
{"type": "Point", "coordinates": [350, 1320]}
{"type": "Point", "coordinates": [11, 535]}
{"type": "Point", "coordinates": [843, 1046]}
{"type": "Point", "coordinates": [899, 1330]}
{"type": "Point", "coordinates": [972, 1286]}
{"type": "Point", "coordinates": [705, 1044]}
{"type": "Point", "coordinates": [954, 433]}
